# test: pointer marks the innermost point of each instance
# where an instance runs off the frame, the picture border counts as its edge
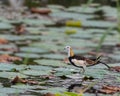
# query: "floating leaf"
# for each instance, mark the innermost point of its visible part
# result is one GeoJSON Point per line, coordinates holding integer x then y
{"type": "Point", "coordinates": [17, 79]}
{"type": "Point", "coordinates": [99, 24]}
{"type": "Point", "coordinates": [10, 75]}
{"type": "Point", "coordinates": [7, 67]}
{"type": "Point", "coordinates": [7, 58]}
{"type": "Point", "coordinates": [27, 55]}
{"type": "Point", "coordinates": [74, 23]}
{"type": "Point", "coordinates": [23, 87]}
{"type": "Point", "coordinates": [38, 67]}
{"type": "Point", "coordinates": [109, 89]}
{"type": "Point", "coordinates": [33, 50]}
{"type": "Point", "coordinates": [97, 73]}
{"type": "Point", "coordinates": [11, 91]}
{"type": "Point", "coordinates": [53, 56]}
{"type": "Point", "coordinates": [36, 72]}
{"type": "Point", "coordinates": [54, 63]}
{"type": "Point", "coordinates": [47, 46]}
{"type": "Point", "coordinates": [54, 90]}
{"type": "Point", "coordinates": [37, 22]}
{"type": "Point", "coordinates": [5, 26]}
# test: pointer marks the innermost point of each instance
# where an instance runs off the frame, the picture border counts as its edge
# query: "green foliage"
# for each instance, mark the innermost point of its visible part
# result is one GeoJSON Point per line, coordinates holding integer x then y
{"type": "Point", "coordinates": [102, 39]}
{"type": "Point", "coordinates": [68, 94]}
{"type": "Point", "coordinates": [118, 15]}
{"type": "Point", "coordinates": [32, 3]}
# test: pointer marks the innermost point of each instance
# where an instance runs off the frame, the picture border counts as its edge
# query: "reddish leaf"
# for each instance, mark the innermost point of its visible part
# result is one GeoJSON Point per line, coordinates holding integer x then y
{"type": "Point", "coordinates": [49, 94]}
{"type": "Point", "coordinates": [41, 11]}
{"type": "Point", "coordinates": [32, 82]}
{"type": "Point", "coordinates": [20, 80]}
{"type": "Point", "coordinates": [48, 77]}
{"type": "Point", "coordinates": [116, 68]}
{"type": "Point", "coordinates": [109, 89]}
{"type": "Point", "coordinates": [3, 41]}
{"type": "Point", "coordinates": [10, 49]}
{"type": "Point", "coordinates": [6, 58]}
{"type": "Point", "coordinates": [20, 29]}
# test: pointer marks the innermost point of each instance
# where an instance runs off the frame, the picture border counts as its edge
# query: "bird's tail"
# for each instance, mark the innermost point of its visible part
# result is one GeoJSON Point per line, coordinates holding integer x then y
{"type": "Point", "coordinates": [98, 60]}
{"type": "Point", "coordinates": [105, 64]}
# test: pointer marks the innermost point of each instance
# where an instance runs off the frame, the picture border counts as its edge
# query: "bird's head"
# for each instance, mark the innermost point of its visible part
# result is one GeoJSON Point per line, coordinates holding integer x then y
{"type": "Point", "coordinates": [69, 50]}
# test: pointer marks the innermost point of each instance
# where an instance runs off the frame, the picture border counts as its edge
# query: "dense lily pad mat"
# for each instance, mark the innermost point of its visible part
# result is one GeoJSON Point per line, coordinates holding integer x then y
{"type": "Point", "coordinates": [40, 45]}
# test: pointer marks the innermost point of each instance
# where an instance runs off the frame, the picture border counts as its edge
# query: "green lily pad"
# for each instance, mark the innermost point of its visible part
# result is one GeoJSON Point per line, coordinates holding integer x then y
{"type": "Point", "coordinates": [12, 37]}
{"type": "Point", "coordinates": [82, 9]}
{"type": "Point", "coordinates": [5, 26]}
{"type": "Point", "coordinates": [33, 50]}
{"type": "Point", "coordinates": [38, 67]}
{"type": "Point", "coordinates": [99, 24]}
{"type": "Point", "coordinates": [82, 35]}
{"type": "Point", "coordinates": [56, 6]}
{"type": "Point", "coordinates": [35, 30]}
{"type": "Point", "coordinates": [97, 73]}
{"type": "Point", "coordinates": [115, 56]}
{"type": "Point", "coordinates": [47, 46]}
{"type": "Point", "coordinates": [11, 90]}
{"type": "Point", "coordinates": [7, 67]}
{"type": "Point", "coordinates": [73, 16]}
{"type": "Point", "coordinates": [53, 90]}
{"type": "Point", "coordinates": [14, 22]}
{"type": "Point", "coordinates": [64, 71]}
{"type": "Point", "coordinates": [6, 52]}
{"type": "Point", "coordinates": [80, 43]}
{"type": "Point", "coordinates": [7, 46]}
{"type": "Point", "coordinates": [28, 55]}
{"type": "Point", "coordinates": [54, 56]}
{"type": "Point", "coordinates": [54, 63]}
{"type": "Point", "coordinates": [23, 86]}
{"type": "Point", "coordinates": [37, 22]}
{"type": "Point", "coordinates": [36, 72]}
{"type": "Point", "coordinates": [20, 38]}
{"type": "Point", "coordinates": [3, 94]}
{"type": "Point", "coordinates": [11, 75]}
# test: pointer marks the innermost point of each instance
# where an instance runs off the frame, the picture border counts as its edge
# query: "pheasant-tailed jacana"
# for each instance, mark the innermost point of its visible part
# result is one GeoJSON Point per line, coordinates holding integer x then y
{"type": "Point", "coordinates": [81, 61]}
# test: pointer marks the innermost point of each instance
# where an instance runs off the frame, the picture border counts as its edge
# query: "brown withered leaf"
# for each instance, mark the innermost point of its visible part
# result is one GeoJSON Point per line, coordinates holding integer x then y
{"type": "Point", "coordinates": [48, 76]}
{"type": "Point", "coordinates": [5, 58]}
{"type": "Point", "coordinates": [3, 41]}
{"type": "Point", "coordinates": [49, 94]}
{"type": "Point", "coordinates": [20, 29]}
{"type": "Point", "coordinates": [116, 68]}
{"type": "Point", "coordinates": [41, 10]}
{"type": "Point", "coordinates": [109, 89]}
{"type": "Point", "coordinates": [10, 49]}
{"type": "Point", "coordinates": [17, 79]}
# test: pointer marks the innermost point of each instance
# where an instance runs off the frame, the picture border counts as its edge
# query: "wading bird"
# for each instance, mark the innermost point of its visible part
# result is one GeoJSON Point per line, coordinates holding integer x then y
{"type": "Point", "coordinates": [81, 61]}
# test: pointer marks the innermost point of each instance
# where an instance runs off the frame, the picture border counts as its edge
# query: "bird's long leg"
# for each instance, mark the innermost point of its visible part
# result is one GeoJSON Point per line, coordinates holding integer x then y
{"type": "Point", "coordinates": [83, 69]}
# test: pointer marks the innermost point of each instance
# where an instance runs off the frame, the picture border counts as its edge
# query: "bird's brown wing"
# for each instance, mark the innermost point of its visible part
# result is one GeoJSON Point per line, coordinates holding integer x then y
{"type": "Point", "coordinates": [89, 61]}
{"type": "Point", "coordinates": [79, 57]}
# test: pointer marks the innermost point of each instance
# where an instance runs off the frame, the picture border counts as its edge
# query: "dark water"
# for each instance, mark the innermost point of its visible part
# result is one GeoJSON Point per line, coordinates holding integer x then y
{"type": "Point", "coordinates": [68, 3]}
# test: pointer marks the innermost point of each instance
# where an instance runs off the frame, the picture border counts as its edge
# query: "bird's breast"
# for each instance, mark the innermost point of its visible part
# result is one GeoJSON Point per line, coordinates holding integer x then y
{"type": "Point", "coordinates": [76, 62]}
